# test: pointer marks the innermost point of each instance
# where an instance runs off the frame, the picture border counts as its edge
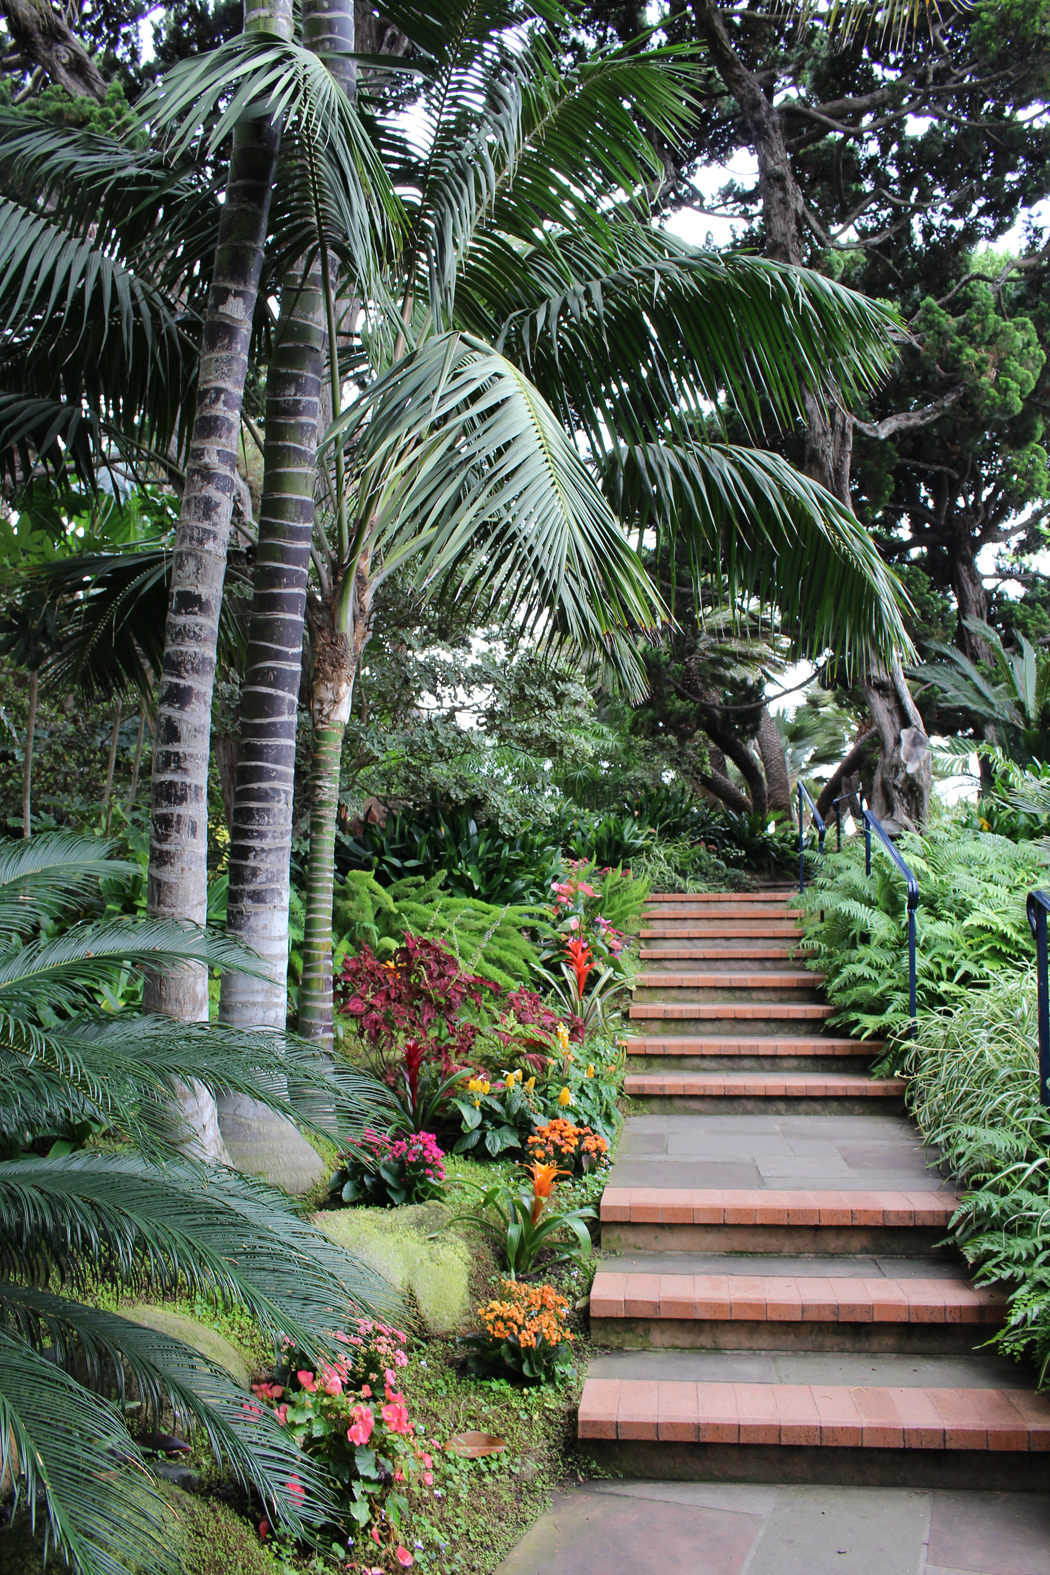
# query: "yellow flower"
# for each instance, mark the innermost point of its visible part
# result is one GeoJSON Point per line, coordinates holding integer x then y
{"type": "Point", "coordinates": [590, 1070]}
{"type": "Point", "coordinates": [530, 1085]}
{"type": "Point", "coordinates": [563, 1036]}
{"type": "Point", "coordinates": [565, 1098]}
{"type": "Point", "coordinates": [477, 1104]}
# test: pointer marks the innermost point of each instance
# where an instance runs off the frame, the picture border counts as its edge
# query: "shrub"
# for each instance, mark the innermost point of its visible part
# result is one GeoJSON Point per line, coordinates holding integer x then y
{"type": "Point", "coordinates": [418, 994]}
{"type": "Point", "coordinates": [970, 923]}
{"type": "Point", "coordinates": [524, 1335]}
{"type": "Point", "coordinates": [387, 1171]}
{"type": "Point", "coordinates": [577, 1150]}
{"type": "Point", "coordinates": [497, 1118]}
{"type": "Point", "coordinates": [350, 1416]}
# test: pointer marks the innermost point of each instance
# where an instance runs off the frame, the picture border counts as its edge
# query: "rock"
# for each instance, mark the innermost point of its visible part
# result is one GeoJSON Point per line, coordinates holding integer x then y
{"type": "Point", "coordinates": [261, 1144]}
{"type": "Point", "coordinates": [209, 1342]}
{"type": "Point", "coordinates": [415, 1249]}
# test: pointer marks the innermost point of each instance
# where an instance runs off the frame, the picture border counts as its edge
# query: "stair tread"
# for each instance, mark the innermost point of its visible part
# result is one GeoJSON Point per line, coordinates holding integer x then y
{"type": "Point", "coordinates": [731, 929]}
{"type": "Point", "coordinates": [766, 1206]}
{"type": "Point", "coordinates": [788, 894]}
{"type": "Point", "coordinates": [802, 1297]}
{"type": "Point", "coordinates": [812, 1084]}
{"type": "Point", "coordinates": [791, 1010]}
{"type": "Point", "coordinates": [713, 953]}
{"type": "Point", "coordinates": [704, 1044]}
{"type": "Point", "coordinates": [728, 981]}
{"type": "Point", "coordinates": [834, 1415]}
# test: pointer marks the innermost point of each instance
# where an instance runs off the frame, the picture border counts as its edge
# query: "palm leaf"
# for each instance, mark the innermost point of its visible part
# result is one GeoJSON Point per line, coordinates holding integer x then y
{"type": "Point", "coordinates": [40, 875]}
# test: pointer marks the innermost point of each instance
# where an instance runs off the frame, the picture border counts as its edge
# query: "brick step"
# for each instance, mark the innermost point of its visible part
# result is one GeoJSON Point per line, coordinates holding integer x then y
{"type": "Point", "coordinates": [772, 913]}
{"type": "Point", "coordinates": [806, 1311]}
{"type": "Point", "coordinates": [760, 1220]}
{"type": "Point", "coordinates": [781, 894]}
{"type": "Point", "coordinates": [732, 929]}
{"type": "Point", "coordinates": [741, 988]}
{"type": "Point", "coordinates": [911, 1434]}
{"type": "Point", "coordinates": [765, 956]}
{"type": "Point", "coordinates": [775, 1092]}
{"type": "Point", "coordinates": [692, 1052]}
{"type": "Point", "coordinates": [754, 1011]}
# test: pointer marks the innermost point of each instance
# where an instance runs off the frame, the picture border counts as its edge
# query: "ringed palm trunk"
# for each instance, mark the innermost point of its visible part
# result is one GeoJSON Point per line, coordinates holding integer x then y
{"type": "Point", "coordinates": [178, 879]}
{"type": "Point", "coordinates": [261, 833]}
{"type": "Point", "coordinates": [339, 627]}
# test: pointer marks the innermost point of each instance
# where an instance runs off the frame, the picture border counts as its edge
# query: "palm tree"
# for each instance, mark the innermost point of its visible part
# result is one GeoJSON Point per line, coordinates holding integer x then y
{"type": "Point", "coordinates": [1014, 698]}
{"type": "Point", "coordinates": [538, 310]}
{"type": "Point", "coordinates": [139, 1215]}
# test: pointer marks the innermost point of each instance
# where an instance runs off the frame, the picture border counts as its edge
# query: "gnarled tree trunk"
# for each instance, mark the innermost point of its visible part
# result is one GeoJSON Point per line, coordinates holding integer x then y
{"type": "Point", "coordinates": [771, 748]}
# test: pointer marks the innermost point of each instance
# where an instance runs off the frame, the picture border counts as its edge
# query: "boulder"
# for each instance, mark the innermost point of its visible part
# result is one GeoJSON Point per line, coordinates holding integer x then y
{"type": "Point", "coordinates": [203, 1338]}
{"type": "Point", "coordinates": [416, 1251]}
{"type": "Point", "coordinates": [262, 1144]}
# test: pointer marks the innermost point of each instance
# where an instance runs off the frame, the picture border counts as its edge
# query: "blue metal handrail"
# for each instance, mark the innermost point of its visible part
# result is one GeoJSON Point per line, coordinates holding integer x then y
{"type": "Point", "coordinates": [803, 793]}
{"type": "Point", "coordinates": [1038, 905]}
{"type": "Point", "coordinates": [842, 798]}
{"type": "Point", "coordinates": [870, 825]}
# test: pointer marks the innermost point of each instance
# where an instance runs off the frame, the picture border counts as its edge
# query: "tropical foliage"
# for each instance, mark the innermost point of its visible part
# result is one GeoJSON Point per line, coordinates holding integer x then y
{"type": "Point", "coordinates": [98, 1182]}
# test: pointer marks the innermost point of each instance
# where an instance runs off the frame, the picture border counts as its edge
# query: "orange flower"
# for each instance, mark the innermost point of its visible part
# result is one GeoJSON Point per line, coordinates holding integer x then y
{"type": "Point", "coordinates": [580, 961]}
{"type": "Point", "coordinates": [544, 1180]}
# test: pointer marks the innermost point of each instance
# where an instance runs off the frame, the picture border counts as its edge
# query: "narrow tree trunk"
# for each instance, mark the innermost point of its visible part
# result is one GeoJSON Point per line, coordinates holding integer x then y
{"type": "Point", "coordinates": [971, 601]}
{"type": "Point", "coordinates": [111, 766]}
{"type": "Point", "coordinates": [138, 757]}
{"type": "Point", "coordinates": [178, 878]}
{"type": "Point", "coordinates": [227, 752]}
{"type": "Point", "coordinates": [178, 886]}
{"type": "Point", "coordinates": [902, 792]}
{"type": "Point", "coordinates": [335, 656]}
{"type": "Point", "coordinates": [771, 748]}
{"type": "Point", "coordinates": [27, 768]}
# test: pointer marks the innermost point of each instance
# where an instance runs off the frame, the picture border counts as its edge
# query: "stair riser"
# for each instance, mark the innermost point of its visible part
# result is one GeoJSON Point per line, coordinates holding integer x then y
{"type": "Point", "coordinates": [802, 1022]}
{"type": "Point", "coordinates": [772, 960]}
{"type": "Point", "coordinates": [729, 925]}
{"type": "Point", "coordinates": [1007, 1471]}
{"type": "Point", "coordinates": [832, 1241]}
{"type": "Point", "coordinates": [744, 1334]}
{"type": "Point", "coordinates": [770, 1105]}
{"type": "Point", "coordinates": [768, 1065]}
{"type": "Point", "coordinates": [737, 994]}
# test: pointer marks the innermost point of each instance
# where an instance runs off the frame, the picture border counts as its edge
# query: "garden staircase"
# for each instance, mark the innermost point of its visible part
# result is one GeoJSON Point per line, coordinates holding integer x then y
{"type": "Point", "coordinates": [780, 1306]}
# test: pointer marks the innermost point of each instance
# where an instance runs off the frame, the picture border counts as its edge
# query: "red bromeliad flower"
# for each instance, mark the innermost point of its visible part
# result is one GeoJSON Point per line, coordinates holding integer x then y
{"type": "Point", "coordinates": [580, 961]}
{"type": "Point", "coordinates": [544, 1180]}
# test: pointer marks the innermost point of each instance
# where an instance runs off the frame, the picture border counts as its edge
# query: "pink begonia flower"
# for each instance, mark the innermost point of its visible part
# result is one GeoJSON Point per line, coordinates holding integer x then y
{"type": "Point", "coordinates": [361, 1430]}
{"type": "Point", "coordinates": [366, 1390]}
{"type": "Point", "coordinates": [375, 1535]}
{"type": "Point", "coordinates": [281, 1414]}
{"type": "Point", "coordinates": [428, 1478]}
{"type": "Point", "coordinates": [404, 1557]}
{"type": "Point", "coordinates": [308, 1380]}
{"type": "Point", "coordinates": [295, 1487]}
{"type": "Point", "coordinates": [332, 1382]}
{"type": "Point", "coordinates": [399, 1475]}
{"type": "Point", "coordinates": [427, 1461]}
{"type": "Point", "coordinates": [400, 1359]}
{"type": "Point", "coordinates": [396, 1418]}
{"type": "Point", "coordinates": [264, 1529]}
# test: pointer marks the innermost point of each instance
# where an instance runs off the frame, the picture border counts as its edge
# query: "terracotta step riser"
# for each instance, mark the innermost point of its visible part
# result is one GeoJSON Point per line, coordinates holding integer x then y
{"type": "Point", "coordinates": [671, 899]}
{"type": "Point", "coordinates": [727, 995]}
{"type": "Point", "coordinates": [740, 1334]}
{"type": "Point", "coordinates": [786, 1021]}
{"type": "Point", "coordinates": [730, 924]}
{"type": "Point", "coordinates": [1001, 1472]}
{"type": "Point", "coordinates": [831, 1241]}
{"type": "Point", "coordinates": [772, 1105]}
{"type": "Point", "coordinates": [705, 960]}
{"type": "Point", "coordinates": [767, 1064]}
{"type": "Point", "coordinates": [679, 1047]}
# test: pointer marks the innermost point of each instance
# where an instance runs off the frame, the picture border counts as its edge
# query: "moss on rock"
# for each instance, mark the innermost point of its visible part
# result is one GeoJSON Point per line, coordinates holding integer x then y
{"type": "Point", "coordinates": [416, 1250]}
{"type": "Point", "coordinates": [208, 1341]}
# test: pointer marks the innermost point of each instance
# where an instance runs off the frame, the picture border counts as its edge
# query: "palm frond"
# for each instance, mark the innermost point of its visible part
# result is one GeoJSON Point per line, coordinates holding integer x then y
{"type": "Point", "coordinates": [40, 875]}
{"type": "Point", "coordinates": [165, 1373]}
{"type": "Point", "coordinates": [459, 463]}
{"type": "Point", "coordinates": [221, 1233]}
{"type": "Point", "coordinates": [71, 1455]}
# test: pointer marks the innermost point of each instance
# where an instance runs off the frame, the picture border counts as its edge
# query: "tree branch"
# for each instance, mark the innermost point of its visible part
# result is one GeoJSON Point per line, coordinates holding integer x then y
{"type": "Point", "coordinates": [910, 420]}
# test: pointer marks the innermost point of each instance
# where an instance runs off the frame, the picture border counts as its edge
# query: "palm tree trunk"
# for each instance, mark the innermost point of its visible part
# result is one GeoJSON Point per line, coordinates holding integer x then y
{"type": "Point", "coordinates": [179, 837]}
{"type": "Point", "coordinates": [27, 768]}
{"type": "Point", "coordinates": [178, 877]}
{"type": "Point", "coordinates": [138, 757]}
{"type": "Point", "coordinates": [335, 655]}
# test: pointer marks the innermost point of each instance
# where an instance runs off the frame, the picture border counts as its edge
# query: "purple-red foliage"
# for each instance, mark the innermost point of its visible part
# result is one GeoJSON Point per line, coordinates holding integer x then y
{"type": "Point", "coordinates": [417, 994]}
{"type": "Point", "coordinates": [532, 1012]}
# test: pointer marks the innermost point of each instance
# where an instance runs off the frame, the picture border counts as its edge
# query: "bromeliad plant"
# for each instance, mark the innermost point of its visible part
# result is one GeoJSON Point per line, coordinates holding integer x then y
{"type": "Point", "coordinates": [529, 1222]}
{"type": "Point", "coordinates": [523, 1335]}
{"type": "Point", "coordinates": [143, 1214]}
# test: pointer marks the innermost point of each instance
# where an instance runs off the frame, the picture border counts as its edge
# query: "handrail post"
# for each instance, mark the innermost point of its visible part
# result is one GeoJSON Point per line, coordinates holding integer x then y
{"type": "Point", "coordinates": [911, 968]}
{"type": "Point", "coordinates": [801, 856]}
{"type": "Point", "coordinates": [1037, 905]}
{"type": "Point", "coordinates": [870, 825]}
{"type": "Point", "coordinates": [867, 846]}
